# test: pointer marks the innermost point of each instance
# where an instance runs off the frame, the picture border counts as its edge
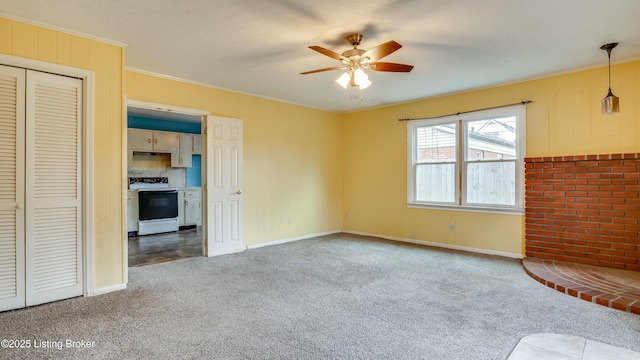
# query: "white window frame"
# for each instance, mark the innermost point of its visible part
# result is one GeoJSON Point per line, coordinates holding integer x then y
{"type": "Point", "coordinates": [461, 122]}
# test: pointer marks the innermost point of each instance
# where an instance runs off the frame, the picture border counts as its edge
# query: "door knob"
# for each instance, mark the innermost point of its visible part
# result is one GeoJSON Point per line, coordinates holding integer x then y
{"type": "Point", "coordinates": [18, 206]}
{"type": "Point", "coordinates": [237, 192]}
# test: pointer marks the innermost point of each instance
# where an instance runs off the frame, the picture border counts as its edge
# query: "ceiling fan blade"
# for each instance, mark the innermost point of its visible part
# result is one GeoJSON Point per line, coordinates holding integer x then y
{"type": "Point", "coordinates": [328, 52]}
{"type": "Point", "coordinates": [392, 67]}
{"type": "Point", "coordinates": [381, 50]}
{"type": "Point", "coordinates": [321, 70]}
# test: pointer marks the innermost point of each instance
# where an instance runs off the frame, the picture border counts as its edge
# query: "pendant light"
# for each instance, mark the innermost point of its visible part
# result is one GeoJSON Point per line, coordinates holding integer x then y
{"type": "Point", "coordinates": [610, 103]}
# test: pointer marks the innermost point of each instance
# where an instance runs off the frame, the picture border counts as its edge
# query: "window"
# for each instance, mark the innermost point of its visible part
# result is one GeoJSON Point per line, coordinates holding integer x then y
{"type": "Point", "coordinates": [471, 161]}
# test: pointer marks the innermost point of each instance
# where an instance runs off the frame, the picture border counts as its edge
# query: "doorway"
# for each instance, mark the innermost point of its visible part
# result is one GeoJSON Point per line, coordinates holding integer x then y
{"type": "Point", "coordinates": [164, 146]}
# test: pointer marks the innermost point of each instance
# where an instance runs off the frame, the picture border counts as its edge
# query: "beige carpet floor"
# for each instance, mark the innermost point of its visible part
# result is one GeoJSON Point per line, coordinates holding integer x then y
{"type": "Point", "coordinates": [333, 297]}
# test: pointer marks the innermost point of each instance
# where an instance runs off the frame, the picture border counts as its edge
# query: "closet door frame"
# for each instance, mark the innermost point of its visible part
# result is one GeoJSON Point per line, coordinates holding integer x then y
{"type": "Point", "coordinates": [87, 77]}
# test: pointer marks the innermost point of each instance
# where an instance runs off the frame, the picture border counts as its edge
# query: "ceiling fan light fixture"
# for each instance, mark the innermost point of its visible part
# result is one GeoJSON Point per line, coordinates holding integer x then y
{"type": "Point", "coordinates": [360, 77]}
{"type": "Point", "coordinates": [364, 84]}
{"type": "Point", "coordinates": [610, 104]}
{"type": "Point", "coordinates": [344, 80]}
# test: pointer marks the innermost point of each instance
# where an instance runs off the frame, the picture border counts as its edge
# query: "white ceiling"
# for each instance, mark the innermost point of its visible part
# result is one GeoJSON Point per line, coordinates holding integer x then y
{"type": "Point", "coordinates": [260, 47]}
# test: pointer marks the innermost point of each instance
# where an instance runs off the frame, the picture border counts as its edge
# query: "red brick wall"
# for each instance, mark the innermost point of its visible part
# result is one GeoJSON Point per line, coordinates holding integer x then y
{"type": "Point", "coordinates": [584, 209]}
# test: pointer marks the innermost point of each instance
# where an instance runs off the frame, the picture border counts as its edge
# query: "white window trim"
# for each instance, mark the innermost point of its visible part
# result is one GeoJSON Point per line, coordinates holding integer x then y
{"type": "Point", "coordinates": [519, 111]}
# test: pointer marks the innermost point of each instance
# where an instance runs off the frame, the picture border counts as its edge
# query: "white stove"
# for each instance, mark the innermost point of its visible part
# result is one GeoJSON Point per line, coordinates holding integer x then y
{"type": "Point", "coordinates": [157, 205]}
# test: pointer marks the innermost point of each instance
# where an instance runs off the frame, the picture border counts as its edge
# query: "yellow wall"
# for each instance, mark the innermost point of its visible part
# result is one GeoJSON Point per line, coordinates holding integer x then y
{"type": "Point", "coordinates": [106, 61]}
{"type": "Point", "coordinates": [292, 156]}
{"type": "Point", "coordinates": [564, 119]}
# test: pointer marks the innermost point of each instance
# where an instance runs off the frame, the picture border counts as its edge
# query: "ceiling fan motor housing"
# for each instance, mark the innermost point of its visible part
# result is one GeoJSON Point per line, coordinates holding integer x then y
{"type": "Point", "coordinates": [353, 54]}
{"type": "Point", "coordinates": [354, 39]}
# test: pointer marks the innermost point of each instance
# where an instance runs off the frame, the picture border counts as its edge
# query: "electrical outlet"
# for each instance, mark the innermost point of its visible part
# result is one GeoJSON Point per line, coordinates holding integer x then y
{"type": "Point", "coordinates": [289, 220]}
{"type": "Point", "coordinates": [452, 228]}
{"type": "Point", "coordinates": [413, 235]}
{"type": "Point", "coordinates": [346, 215]}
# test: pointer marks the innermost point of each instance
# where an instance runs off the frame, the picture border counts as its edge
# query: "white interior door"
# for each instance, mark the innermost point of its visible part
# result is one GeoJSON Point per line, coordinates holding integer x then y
{"type": "Point", "coordinates": [54, 188]}
{"type": "Point", "coordinates": [223, 186]}
{"type": "Point", "coordinates": [12, 215]}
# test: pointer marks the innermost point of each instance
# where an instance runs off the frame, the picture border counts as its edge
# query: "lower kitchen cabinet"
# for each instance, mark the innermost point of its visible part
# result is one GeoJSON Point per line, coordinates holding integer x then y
{"type": "Point", "coordinates": [190, 207]}
{"type": "Point", "coordinates": [132, 210]}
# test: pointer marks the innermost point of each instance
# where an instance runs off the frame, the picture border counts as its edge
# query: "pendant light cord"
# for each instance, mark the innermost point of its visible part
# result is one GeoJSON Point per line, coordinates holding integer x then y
{"type": "Point", "coordinates": [608, 48]}
{"type": "Point", "coordinates": [609, 54]}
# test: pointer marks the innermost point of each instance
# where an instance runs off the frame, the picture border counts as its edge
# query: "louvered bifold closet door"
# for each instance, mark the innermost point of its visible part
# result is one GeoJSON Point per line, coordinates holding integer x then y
{"type": "Point", "coordinates": [12, 271]}
{"type": "Point", "coordinates": [54, 191]}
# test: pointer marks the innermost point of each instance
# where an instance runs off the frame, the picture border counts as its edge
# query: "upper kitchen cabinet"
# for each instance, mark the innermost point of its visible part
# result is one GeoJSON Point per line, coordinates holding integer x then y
{"type": "Point", "coordinates": [147, 140]}
{"type": "Point", "coordinates": [166, 141]}
{"type": "Point", "coordinates": [197, 144]}
{"type": "Point", "coordinates": [186, 148]}
{"type": "Point", "coordinates": [179, 145]}
{"type": "Point", "coordinates": [140, 139]}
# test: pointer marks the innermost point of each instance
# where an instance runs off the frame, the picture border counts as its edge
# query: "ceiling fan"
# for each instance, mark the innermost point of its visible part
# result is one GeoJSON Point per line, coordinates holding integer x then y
{"type": "Point", "coordinates": [355, 61]}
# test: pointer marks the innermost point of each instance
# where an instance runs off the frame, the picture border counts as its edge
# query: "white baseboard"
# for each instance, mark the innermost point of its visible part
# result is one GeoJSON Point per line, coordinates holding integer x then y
{"type": "Point", "coordinates": [440, 245]}
{"type": "Point", "coordinates": [283, 241]}
{"type": "Point", "coordinates": [393, 238]}
{"type": "Point", "coordinates": [108, 289]}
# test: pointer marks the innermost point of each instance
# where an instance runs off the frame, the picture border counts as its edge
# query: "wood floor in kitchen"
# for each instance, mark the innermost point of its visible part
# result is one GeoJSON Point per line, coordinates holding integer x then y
{"type": "Point", "coordinates": [158, 248]}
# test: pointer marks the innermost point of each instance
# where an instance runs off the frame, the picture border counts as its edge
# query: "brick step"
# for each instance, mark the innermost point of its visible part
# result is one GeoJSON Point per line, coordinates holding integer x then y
{"type": "Point", "coordinates": [614, 288]}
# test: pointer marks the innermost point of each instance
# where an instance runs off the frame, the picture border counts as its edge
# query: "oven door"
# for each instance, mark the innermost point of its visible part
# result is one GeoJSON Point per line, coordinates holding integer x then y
{"type": "Point", "coordinates": [157, 204]}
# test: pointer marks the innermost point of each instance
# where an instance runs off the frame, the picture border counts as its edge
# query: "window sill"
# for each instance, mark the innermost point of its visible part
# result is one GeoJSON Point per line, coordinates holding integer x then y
{"type": "Point", "coordinates": [479, 209]}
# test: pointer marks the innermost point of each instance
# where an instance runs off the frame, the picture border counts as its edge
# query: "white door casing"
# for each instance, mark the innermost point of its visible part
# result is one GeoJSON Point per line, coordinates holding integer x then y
{"type": "Point", "coordinates": [223, 186]}
{"type": "Point", "coordinates": [12, 214]}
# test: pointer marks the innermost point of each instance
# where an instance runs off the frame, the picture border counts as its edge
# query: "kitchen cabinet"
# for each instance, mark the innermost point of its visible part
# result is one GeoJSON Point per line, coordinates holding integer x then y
{"type": "Point", "coordinates": [148, 140]}
{"type": "Point", "coordinates": [166, 141]}
{"type": "Point", "coordinates": [190, 207]}
{"type": "Point", "coordinates": [132, 210]}
{"type": "Point", "coordinates": [180, 146]}
{"type": "Point", "coordinates": [140, 139]}
{"type": "Point", "coordinates": [197, 144]}
{"type": "Point", "coordinates": [186, 149]}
